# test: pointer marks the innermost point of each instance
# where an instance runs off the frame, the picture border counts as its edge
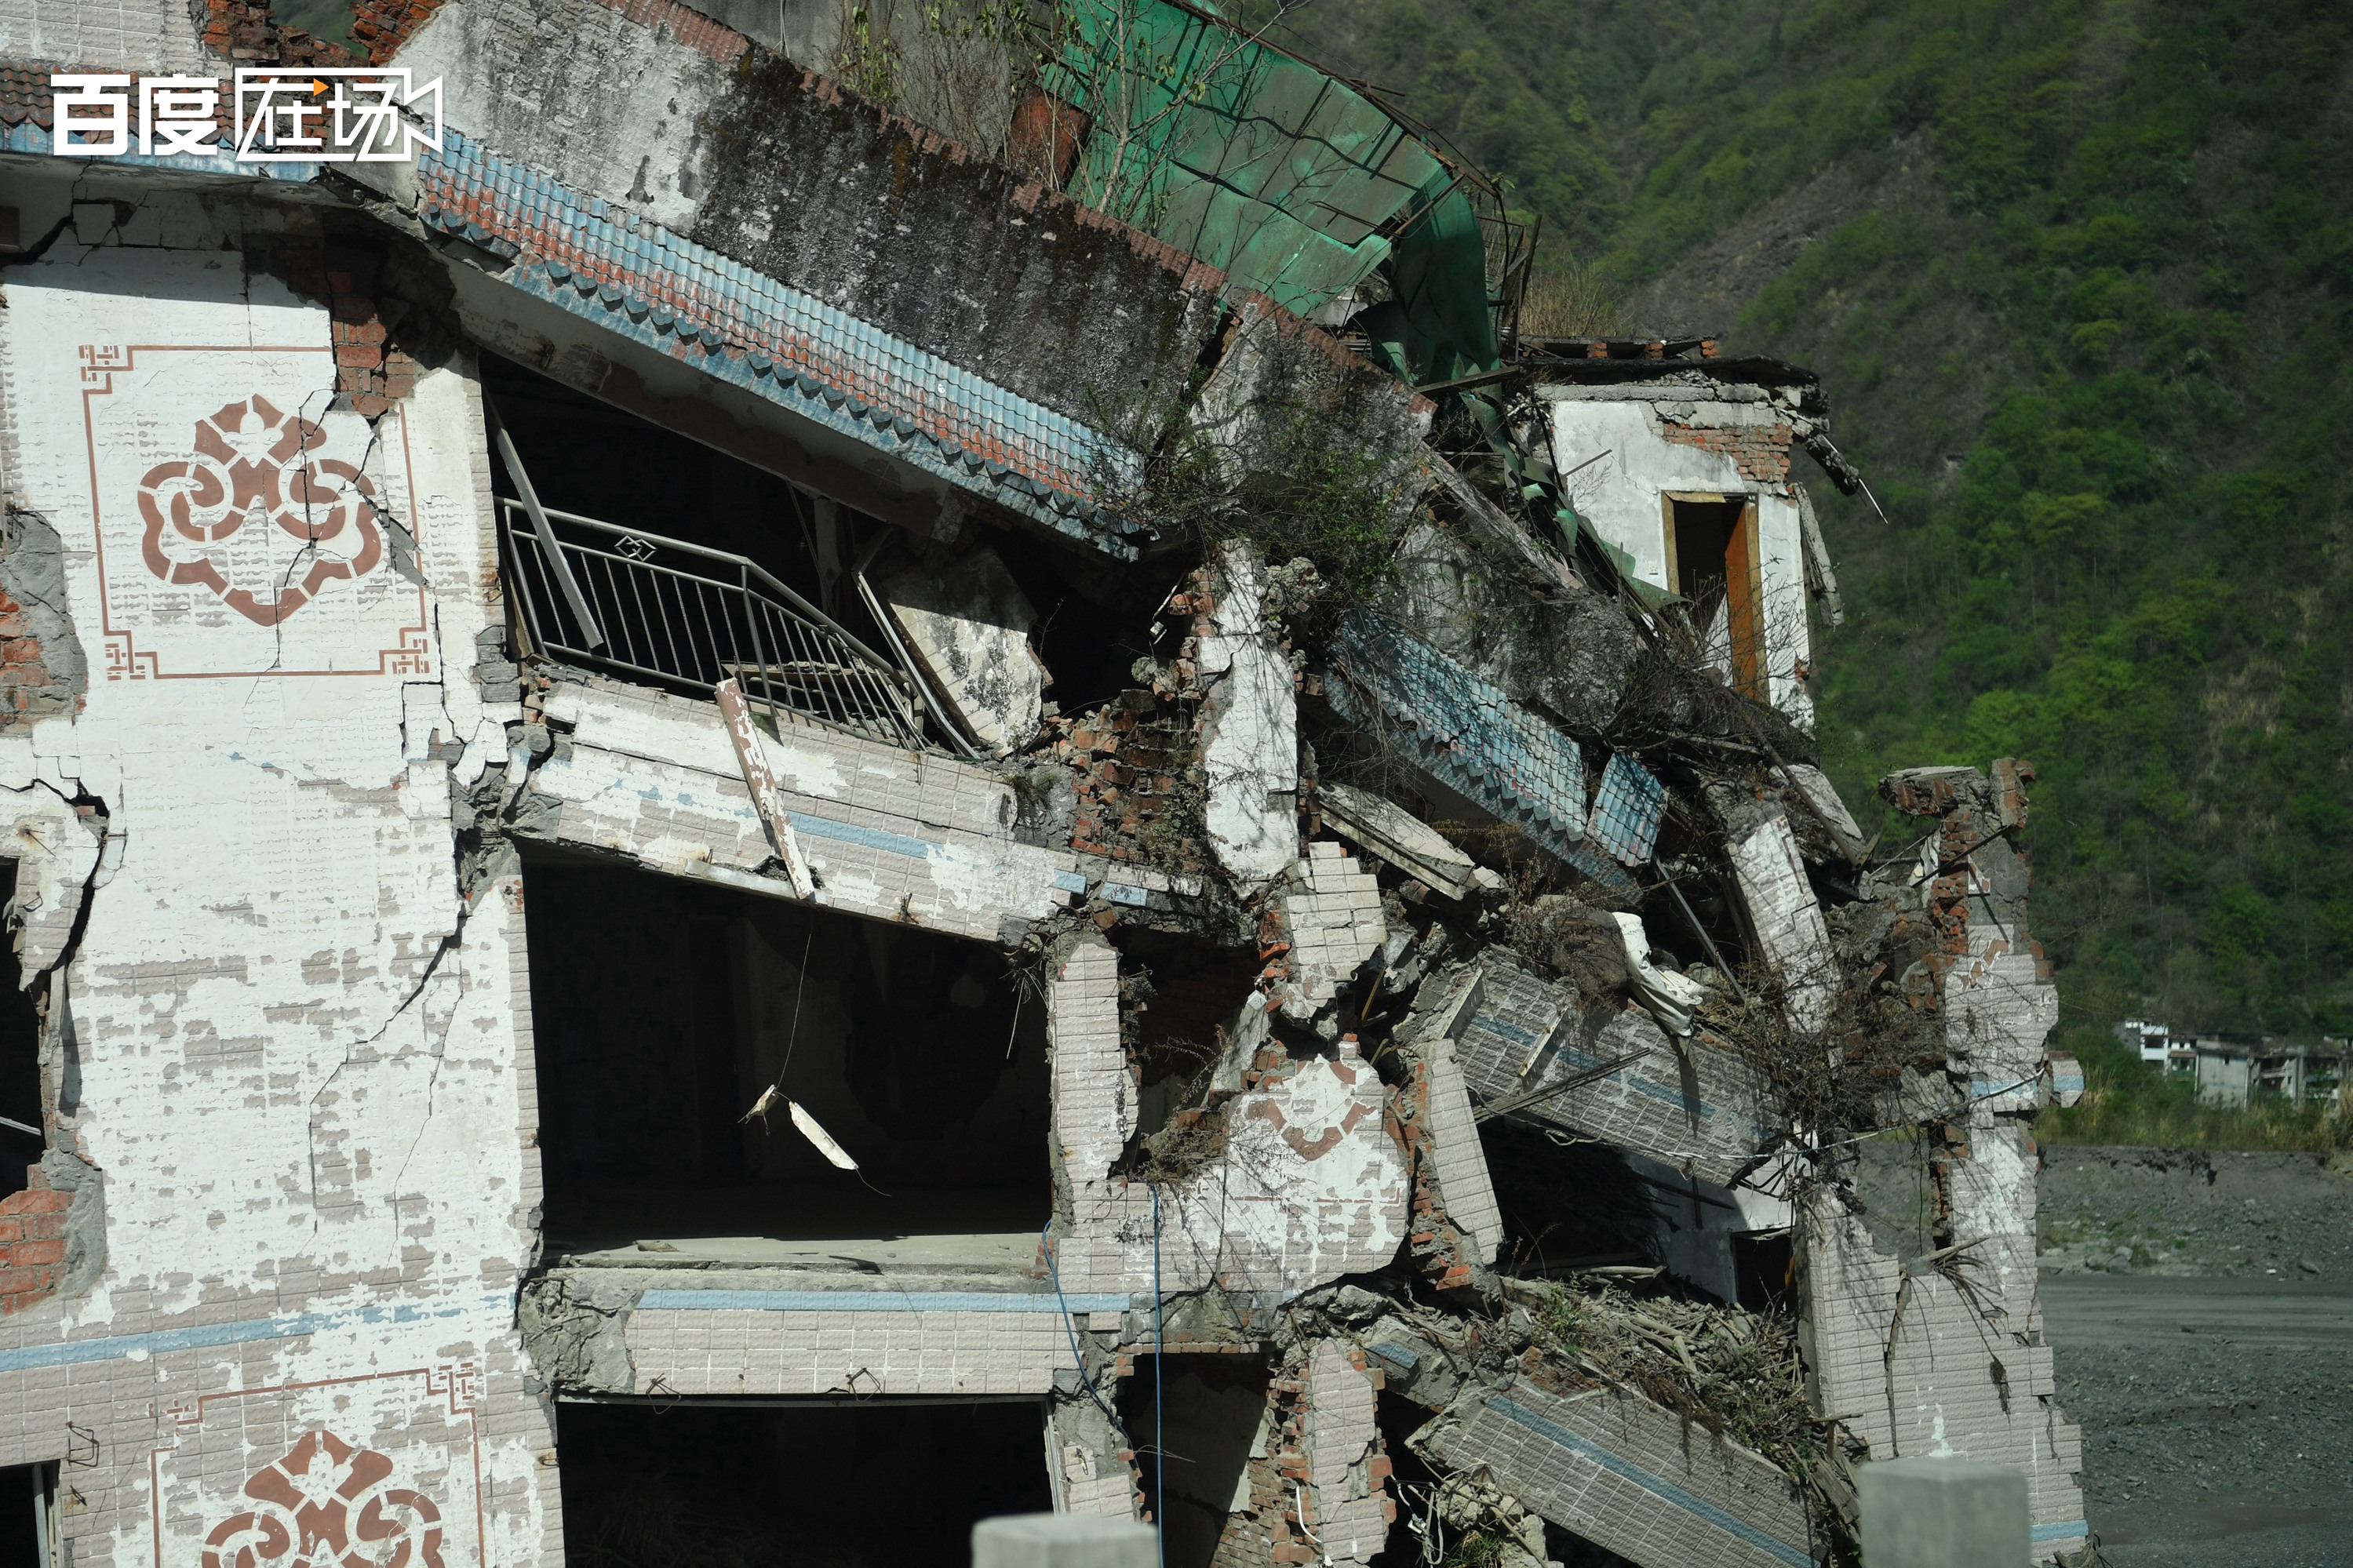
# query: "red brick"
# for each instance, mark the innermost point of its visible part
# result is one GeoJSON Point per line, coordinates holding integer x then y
{"type": "Point", "coordinates": [17, 1279]}
{"type": "Point", "coordinates": [36, 1200]}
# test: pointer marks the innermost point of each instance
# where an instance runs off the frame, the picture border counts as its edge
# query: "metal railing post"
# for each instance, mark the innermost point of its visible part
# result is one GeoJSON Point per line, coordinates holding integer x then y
{"type": "Point", "coordinates": [805, 660]}
{"type": "Point", "coordinates": [545, 530]}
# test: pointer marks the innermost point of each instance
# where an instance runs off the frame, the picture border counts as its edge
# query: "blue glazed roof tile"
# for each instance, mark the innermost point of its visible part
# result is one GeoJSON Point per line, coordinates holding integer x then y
{"type": "Point", "coordinates": [1469, 736]}
{"type": "Point", "coordinates": [659, 286]}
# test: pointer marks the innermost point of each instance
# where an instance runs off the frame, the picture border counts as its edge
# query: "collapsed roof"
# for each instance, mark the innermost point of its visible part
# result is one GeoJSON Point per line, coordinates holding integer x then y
{"type": "Point", "coordinates": [1125, 554]}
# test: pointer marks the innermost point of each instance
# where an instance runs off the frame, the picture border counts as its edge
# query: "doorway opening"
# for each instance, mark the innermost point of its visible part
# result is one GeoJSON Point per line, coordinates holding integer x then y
{"type": "Point", "coordinates": [1712, 561]}
{"type": "Point", "coordinates": [1209, 1416]}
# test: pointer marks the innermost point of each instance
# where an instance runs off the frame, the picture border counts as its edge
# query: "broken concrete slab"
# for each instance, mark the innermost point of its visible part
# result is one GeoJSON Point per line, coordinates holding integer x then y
{"type": "Point", "coordinates": [1610, 1072]}
{"type": "Point", "coordinates": [1627, 1475]}
{"type": "Point", "coordinates": [1816, 786]}
{"type": "Point", "coordinates": [1399, 837]}
{"type": "Point", "coordinates": [967, 626]}
{"type": "Point", "coordinates": [1458, 1160]}
{"type": "Point", "coordinates": [1309, 1187]}
{"type": "Point", "coordinates": [1427, 710]}
{"type": "Point", "coordinates": [1250, 729]}
{"type": "Point", "coordinates": [886, 834]}
{"type": "Point", "coordinates": [1787, 922]}
{"type": "Point", "coordinates": [1331, 918]}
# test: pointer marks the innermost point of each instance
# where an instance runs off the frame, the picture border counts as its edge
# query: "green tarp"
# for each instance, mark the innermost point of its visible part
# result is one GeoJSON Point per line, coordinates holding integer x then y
{"type": "Point", "coordinates": [1292, 183]}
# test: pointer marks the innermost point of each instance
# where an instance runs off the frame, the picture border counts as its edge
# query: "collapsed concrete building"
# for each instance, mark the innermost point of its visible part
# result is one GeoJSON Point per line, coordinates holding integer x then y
{"type": "Point", "coordinates": [1348, 1021]}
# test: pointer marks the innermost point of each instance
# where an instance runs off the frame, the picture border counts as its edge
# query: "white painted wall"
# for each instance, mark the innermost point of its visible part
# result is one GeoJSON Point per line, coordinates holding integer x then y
{"type": "Point", "coordinates": [304, 1061]}
{"type": "Point", "coordinates": [1630, 467]}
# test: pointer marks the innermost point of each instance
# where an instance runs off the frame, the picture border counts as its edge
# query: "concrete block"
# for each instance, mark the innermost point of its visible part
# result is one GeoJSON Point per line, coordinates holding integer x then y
{"type": "Point", "coordinates": [1943, 1513]}
{"type": "Point", "coordinates": [1063, 1541]}
{"type": "Point", "coordinates": [968, 626]}
{"type": "Point", "coordinates": [1788, 921]}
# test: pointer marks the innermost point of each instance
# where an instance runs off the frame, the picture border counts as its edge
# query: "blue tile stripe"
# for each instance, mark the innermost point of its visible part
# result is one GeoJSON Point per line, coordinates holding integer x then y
{"type": "Point", "coordinates": [204, 1336]}
{"type": "Point", "coordinates": [28, 137]}
{"type": "Point", "coordinates": [1470, 735]}
{"type": "Point", "coordinates": [1657, 1485]}
{"type": "Point", "coordinates": [867, 838]}
{"type": "Point", "coordinates": [785, 346]}
{"type": "Point", "coordinates": [2067, 1532]}
{"type": "Point", "coordinates": [865, 1300]}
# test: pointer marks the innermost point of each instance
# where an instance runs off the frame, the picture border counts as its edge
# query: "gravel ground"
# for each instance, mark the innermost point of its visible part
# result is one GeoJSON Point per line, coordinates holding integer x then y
{"type": "Point", "coordinates": [2193, 1212]}
{"type": "Point", "coordinates": [2202, 1309]}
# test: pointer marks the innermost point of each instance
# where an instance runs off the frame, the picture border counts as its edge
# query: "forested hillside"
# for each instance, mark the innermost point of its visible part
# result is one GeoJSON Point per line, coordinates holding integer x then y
{"type": "Point", "coordinates": [2079, 281]}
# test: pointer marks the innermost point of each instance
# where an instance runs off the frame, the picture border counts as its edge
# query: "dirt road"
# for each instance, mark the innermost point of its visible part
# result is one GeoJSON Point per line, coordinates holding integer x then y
{"type": "Point", "coordinates": [2214, 1380]}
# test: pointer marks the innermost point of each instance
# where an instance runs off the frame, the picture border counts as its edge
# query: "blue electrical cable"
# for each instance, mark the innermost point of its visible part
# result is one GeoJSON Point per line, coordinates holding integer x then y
{"type": "Point", "coordinates": [1045, 1245]}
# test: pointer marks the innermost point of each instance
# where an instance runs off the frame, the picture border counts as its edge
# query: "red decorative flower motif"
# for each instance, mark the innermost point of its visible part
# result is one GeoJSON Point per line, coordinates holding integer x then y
{"type": "Point", "coordinates": [252, 463]}
{"type": "Point", "coordinates": [325, 1505]}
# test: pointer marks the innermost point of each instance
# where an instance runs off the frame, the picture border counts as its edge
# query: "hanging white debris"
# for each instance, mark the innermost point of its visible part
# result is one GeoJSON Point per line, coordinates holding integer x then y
{"type": "Point", "coordinates": [1669, 998]}
{"type": "Point", "coordinates": [820, 1137]}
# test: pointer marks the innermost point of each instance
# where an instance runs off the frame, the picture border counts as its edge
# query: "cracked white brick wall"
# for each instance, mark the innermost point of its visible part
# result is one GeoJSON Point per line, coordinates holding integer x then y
{"type": "Point", "coordinates": [1346, 1518]}
{"type": "Point", "coordinates": [1311, 1185]}
{"type": "Point", "coordinates": [1332, 918]}
{"type": "Point", "coordinates": [302, 1055]}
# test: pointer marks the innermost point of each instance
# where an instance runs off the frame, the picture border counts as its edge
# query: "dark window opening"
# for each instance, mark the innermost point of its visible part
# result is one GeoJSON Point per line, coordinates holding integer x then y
{"type": "Point", "coordinates": [1207, 1415]}
{"type": "Point", "coordinates": [663, 1008]}
{"type": "Point", "coordinates": [1704, 531]}
{"type": "Point", "coordinates": [1181, 996]}
{"type": "Point", "coordinates": [1411, 1481]}
{"type": "Point", "coordinates": [1565, 1208]}
{"type": "Point", "coordinates": [1093, 613]}
{"type": "Point", "coordinates": [1765, 1264]}
{"type": "Point", "coordinates": [22, 1115]}
{"type": "Point", "coordinates": [595, 460]}
{"type": "Point", "coordinates": [872, 1486]}
{"type": "Point", "coordinates": [27, 1515]}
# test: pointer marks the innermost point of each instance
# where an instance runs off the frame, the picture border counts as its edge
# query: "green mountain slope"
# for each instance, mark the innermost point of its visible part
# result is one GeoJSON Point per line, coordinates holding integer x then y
{"type": "Point", "coordinates": [2079, 281]}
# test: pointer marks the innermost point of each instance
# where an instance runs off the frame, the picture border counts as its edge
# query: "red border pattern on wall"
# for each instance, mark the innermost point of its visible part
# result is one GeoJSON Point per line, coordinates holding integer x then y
{"type": "Point", "coordinates": [381, 1471]}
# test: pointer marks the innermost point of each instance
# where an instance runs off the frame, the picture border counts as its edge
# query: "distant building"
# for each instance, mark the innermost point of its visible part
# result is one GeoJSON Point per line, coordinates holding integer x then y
{"type": "Point", "coordinates": [2234, 1069]}
{"type": "Point", "coordinates": [2154, 1041]}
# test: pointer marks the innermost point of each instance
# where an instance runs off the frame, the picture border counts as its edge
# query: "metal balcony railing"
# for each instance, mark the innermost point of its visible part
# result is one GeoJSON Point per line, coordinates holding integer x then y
{"type": "Point", "coordinates": [681, 616]}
